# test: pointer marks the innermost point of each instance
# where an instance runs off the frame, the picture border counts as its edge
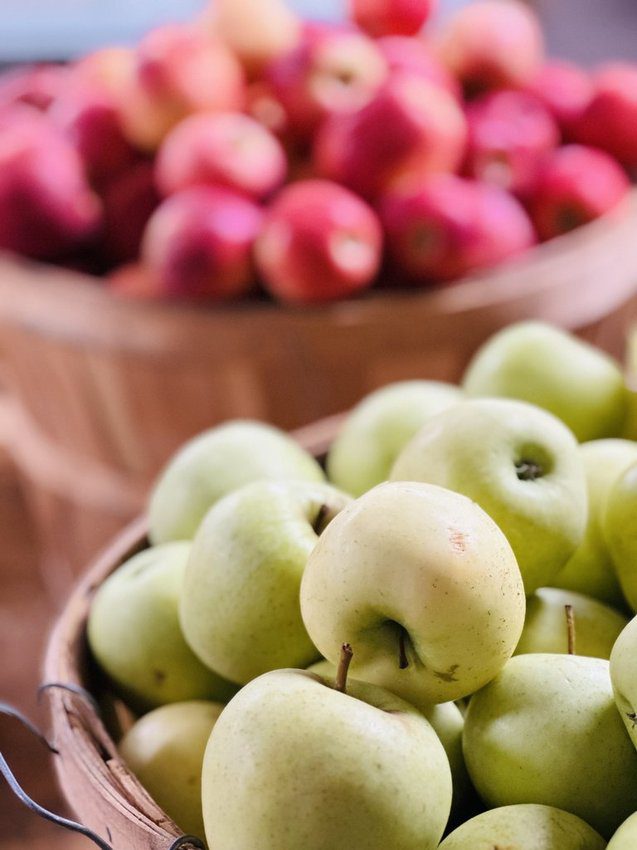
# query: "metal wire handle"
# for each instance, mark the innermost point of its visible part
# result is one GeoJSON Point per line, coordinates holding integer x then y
{"type": "Point", "coordinates": [36, 808]}
{"type": "Point", "coordinates": [77, 690]}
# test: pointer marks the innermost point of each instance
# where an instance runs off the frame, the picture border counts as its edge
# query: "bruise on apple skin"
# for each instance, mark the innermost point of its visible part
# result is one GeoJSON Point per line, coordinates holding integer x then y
{"type": "Point", "coordinates": [447, 675]}
{"type": "Point", "coordinates": [458, 540]}
{"type": "Point", "coordinates": [159, 676]}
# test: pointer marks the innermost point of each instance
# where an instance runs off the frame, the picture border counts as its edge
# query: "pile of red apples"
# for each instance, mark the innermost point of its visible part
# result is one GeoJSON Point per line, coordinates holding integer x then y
{"type": "Point", "coordinates": [250, 152]}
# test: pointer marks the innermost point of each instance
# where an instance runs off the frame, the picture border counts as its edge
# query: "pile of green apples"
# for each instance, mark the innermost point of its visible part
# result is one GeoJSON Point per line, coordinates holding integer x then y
{"type": "Point", "coordinates": [426, 645]}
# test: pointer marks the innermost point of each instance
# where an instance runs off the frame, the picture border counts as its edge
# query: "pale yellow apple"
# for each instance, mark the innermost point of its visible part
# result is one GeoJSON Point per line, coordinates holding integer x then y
{"type": "Point", "coordinates": [424, 586]}
{"type": "Point", "coordinates": [524, 827]}
{"type": "Point", "coordinates": [590, 570]}
{"type": "Point", "coordinates": [597, 626]}
{"type": "Point", "coordinates": [240, 608]}
{"type": "Point", "coordinates": [165, 750]}
{"type": "Point", "coordinates": [214, 464]}
{"type": "Point", "coordinates": [447, 721]}
{"type": "Point", "coordinates": [626, 836]}
{"type": "Point", "coordinates": [520, 464]}
{"type": "Point", "coordinates": [547, 731]}
{"type": "Point", "coordinates": [379, 427]}
{"type": "Point", "coordinates": [544, 365]}
{"type": "Point", "coordinates": [619, 527]}
{"type": "Point", "coordinates": [293, 763]}
{"type": "Point", "coordinates": [623, 673]}
{"type": "Point", "coordinates": [134, 633]}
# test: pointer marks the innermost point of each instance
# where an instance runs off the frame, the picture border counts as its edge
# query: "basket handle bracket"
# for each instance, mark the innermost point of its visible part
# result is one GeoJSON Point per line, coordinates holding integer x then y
{"type": "Point", "coordinates": [9, 711]}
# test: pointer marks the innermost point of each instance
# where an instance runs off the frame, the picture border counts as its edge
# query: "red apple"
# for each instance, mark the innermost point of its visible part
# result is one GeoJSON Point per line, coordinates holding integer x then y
{"type": "Point", "coordinates": [258, 31]}
{"type": "Point", "coordinates": [129, 200]}
{"type": "Point", "coordinates": [492, 44]}
{"type": "Point", "coordinates": [46, 206]}
{"type": "Point", "coordinates": [319, 242]}
{"type": "Point", "coordinates": [109, 68]}
{"type": "Point", "coordinates": [391, 17]}
{"type": "Point", "coordinates": [413, 56]}
{"type": "Point", "coordinates": [576, 185]}
{"type": "Point", "coordinates": [565, 90]}
{"type": "Point", "coordinates": [90, 119]}
{"type": "Point", "coordinates": [177, 71]}
{"type": "Point", "coordinates": [509, 134]}
{"type": "Point", "coordinates": [410, 128]}
{"type": "Point", "coordinates": [450, 226]}
{"type": "Point", "coordinates": [610, 120]}
{"type": "Point", "coordinates": [33, 85]}
{"type": "Point", "coordinates": [198, 244]}
{"type": "Point", "coordinates": [227, 149]}
{"type": "Point", "coordinates": [333, 71]}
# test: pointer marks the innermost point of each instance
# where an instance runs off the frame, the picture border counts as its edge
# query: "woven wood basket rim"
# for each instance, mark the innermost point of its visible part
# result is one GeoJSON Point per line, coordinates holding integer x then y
{"type": "Point", "coordinates": [56, 301]}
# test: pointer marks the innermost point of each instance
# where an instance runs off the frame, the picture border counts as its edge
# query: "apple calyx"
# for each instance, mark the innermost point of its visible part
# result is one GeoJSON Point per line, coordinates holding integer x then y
{"type": "Point", "coordinates": [528, 470]}
{"type": "Point", "coordinates": [570, 627]}
{"type": "Point", "coordinates": [340, 684]}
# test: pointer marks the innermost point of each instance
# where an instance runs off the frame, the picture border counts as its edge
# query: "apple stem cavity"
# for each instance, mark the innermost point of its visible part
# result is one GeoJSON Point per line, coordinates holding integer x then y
{"type": "Point", "coordinates": [527, 470]}
{"type": "Point", "coordinates": [402, 650]}
{"type": "Point", "coordinates": [570, 628]}
{"type": "Point", "coordinates": [343, 667]}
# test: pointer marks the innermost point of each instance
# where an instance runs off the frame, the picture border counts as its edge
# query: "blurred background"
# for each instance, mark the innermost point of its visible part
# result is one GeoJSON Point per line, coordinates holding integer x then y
{"type": "Point", "coordinates": [587, 31]}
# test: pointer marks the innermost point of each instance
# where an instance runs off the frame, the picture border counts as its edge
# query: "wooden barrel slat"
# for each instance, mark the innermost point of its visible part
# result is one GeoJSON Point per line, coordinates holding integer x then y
{"type": "Point", "coordinates": [115, 387]}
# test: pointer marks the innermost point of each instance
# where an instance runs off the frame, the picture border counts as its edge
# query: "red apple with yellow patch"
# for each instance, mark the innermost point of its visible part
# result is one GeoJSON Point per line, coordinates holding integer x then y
{"type": "Point", "coordinates": [410, 128]}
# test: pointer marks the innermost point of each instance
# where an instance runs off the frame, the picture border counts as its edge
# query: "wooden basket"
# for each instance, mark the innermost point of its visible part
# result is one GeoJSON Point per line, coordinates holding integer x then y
{"type": "Point", "coordinates": [98, 786]}
{"type": "Point", "coordinates": [109, 388]}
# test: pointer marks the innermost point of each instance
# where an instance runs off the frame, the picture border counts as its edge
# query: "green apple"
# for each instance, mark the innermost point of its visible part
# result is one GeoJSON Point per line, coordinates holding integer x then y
{"type": "Point", "coordinates": [626, 836]}
{"type": "Point", "coordinates": [165, 750]}
{"type": "Point", "coordinates": [294, 763]}
{"type": "Point", "coordinates": [597, 625]}
{"type": "Point", "coordinates": [520, 464]}
{"type": "Point", "coordinates": [544, 365]}
{"type": "Point", "coordinates": [623, 673]}
{"type": "Point", "coordinates": [240, 608]}
{"type": "Point", "coordinates": [217, 462]}
{"type": "Point", "coordinates": [524, 827]}
{"type": "Point", "coordinates": [134, 633]}
{"type": "Point", "coordinates": [590, 570]}
{"type": "Point", "coordinates": [376, 430]}
{"type": "Point", "coordinates": [447, 721]}
{"type": "Point", "coordinates": [423, 585]}
{"type": "Point", "coordinates": [546, 731]}
{"type": "Point", "coordinates": [619, 528]}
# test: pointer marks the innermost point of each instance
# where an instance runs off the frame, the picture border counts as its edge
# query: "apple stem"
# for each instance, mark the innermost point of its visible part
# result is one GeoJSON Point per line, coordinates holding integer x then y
{"type": "Point", "coordinates": [402, 651]}
{"type": "Point", "coordinates": [570, 627]}
{"type": "Point", "coordinates": [343, 667]}
{"type": "Point", "coordinates": [321, 516]}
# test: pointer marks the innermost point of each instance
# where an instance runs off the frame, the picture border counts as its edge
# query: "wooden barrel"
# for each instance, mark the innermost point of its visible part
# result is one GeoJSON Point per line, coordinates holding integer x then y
{"type": "Point", "coordinates": [108, 388]}
{"type": "Point", "coordinates": [100, 789]}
